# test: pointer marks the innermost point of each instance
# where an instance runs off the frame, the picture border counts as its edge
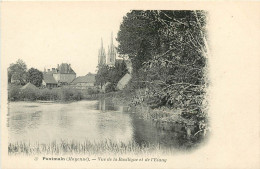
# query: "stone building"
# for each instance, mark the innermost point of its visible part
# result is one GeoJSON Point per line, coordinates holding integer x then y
{"type": "Point", "coordinates": [63, 74]}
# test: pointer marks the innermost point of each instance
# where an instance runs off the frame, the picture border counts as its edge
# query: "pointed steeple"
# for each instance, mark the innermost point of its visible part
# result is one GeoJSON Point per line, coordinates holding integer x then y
{"type": "Point", "coordinates": [101, 43]}
{"type": "Point", "coordinates": [111, 40]}
{"type": "Point", "coordinates": [101, 54]}
{"type": "Point", "coordinates": [111, 53]}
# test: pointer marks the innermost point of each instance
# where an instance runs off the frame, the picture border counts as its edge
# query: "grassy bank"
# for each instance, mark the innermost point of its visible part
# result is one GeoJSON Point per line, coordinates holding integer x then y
{"type": "Point", "coordinates": [165, 118]}
{"type": "Point", "coordinates": [86, 147]}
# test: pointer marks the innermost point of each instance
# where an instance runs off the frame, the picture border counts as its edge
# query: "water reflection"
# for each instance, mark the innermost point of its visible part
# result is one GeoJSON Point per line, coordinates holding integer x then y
{"type": "Point", "coordinates": [91, 120]}
{"type": "Point", "coordinates": [106, 105]}
{"type": "Point", "coordinates": [112, 123]}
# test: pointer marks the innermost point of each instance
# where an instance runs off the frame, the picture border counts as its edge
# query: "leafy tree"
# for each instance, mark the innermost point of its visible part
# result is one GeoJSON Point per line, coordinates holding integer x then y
{"type": "Point", "coordinates": [17, 71]}
{"type": "Point", "coordinates": [111, 74]}
{"type": "Point", "coordinates": [117, 72]}
{"type": "Point", "coordinates": [177, 75]}
{"type": "Point", "coordinates": [102, 75]}
{"type": "Point", "coordinates": [171, 48]}
{"type": "Point", "coordinates": [35, 77]}
{"type": "Point", "coordinates": [138, 37]}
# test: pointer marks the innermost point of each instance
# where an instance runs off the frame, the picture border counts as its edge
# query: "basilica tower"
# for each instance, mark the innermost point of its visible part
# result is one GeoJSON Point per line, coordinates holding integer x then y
{"type": "Point", "coordinates": [111, 54]}
{"type": "Point", "coordinates": [101, 55]}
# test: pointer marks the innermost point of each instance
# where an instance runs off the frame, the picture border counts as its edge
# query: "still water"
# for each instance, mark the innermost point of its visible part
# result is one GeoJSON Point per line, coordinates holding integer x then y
{"type": "Point", "coordinates": [83, 120]}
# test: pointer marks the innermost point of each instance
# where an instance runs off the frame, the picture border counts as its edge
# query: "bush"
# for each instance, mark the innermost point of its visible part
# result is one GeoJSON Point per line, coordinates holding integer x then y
{"type": "Point", "coordinates": [13, 92]}
{"type": "Point", "coordinates": [29, 94]}
{"type": "Point", "coordinates": [91, 91]}
{"type": "Point", "coordinates": [110, 88]}
{"type": "Point", "coordinates": [67, 94]}
{"type": "Point", "coordinates": [48, 94]}
{"type": "Point", "coordinates": [63, 94]}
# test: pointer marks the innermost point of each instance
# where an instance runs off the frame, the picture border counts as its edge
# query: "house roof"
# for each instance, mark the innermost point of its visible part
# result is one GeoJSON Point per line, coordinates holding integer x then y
{"type": "Point", "coordinates": [48, 78]}
{"type": "Point", "coordinates": [89, 78]}
{"type": "Point", "coordinates": [65, 68]}
{"type": "Point", "coordinates": [29, 86]}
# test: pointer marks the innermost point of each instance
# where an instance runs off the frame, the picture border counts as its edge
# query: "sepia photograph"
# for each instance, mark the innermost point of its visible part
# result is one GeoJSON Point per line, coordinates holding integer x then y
{"type": "Point", "coordinates": [146, 94]}
{"type": "Point", "coordinates": [94, 83]}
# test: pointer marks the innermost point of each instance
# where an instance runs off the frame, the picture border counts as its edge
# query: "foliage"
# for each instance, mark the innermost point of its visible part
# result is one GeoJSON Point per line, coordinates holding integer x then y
{"type": "Point", "coordinates": [109, 88]}
{"type": "Point", "coordinates": [13, 92]}
{"type": "Point", "coordinates": [173, 59]}
{"type": "Point", "coordinates": [29, 94]}
{"type": "Point", "coordinates": [17, 72]}
{"type": "Point", "coordinates": [47, 94]}
{"type": "Point", "coordinates": [67, 94]}
{"type": "Point", "coordinates": [91, 91]}
{"type": "Point", "coordinates": [111, 74]}
{"type": "Point", "coordinates": [138, 37]}
{"type": "Point", "coordinates": [35, 77]}
{"type": "Point", "coordinates": [61, 94]}
{"type": "Point", "coordinates": [116, 72]}
{"type": "Point", "coordinates": [102, 75]}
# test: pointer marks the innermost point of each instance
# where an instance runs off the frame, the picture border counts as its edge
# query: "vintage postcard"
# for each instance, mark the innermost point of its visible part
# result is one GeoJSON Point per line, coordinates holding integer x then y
{"type": "Point", "coordinates": [130, 84]}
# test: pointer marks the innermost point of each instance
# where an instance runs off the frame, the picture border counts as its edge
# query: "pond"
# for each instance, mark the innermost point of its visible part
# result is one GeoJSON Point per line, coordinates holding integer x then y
{"type": "Point", "coordinates": [84, 120]}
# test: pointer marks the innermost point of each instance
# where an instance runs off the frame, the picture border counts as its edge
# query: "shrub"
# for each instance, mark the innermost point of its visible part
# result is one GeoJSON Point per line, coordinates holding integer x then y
{"type": "Point", "coordinates": [63, 94]}
{"type": "Point", "coordinates": [29, 94]}
{"type": "Point", "coordinates": [67, 93]}
{"type": "Point", "coordinates": [13, 92]}
{"type": "Point", "coordinates": [48, 94]}
{"type": "Point", "coordinates": [91, 91]}
{"type": "Point", "coordinates": [109, 88]}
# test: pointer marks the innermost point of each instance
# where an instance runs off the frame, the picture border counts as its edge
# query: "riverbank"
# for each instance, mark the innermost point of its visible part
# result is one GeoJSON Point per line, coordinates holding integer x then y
{"type": "Point", "coordinates": [164, 118]}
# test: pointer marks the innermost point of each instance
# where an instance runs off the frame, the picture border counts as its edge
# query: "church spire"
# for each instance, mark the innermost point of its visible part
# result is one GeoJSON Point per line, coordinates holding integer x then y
{"type": "Point", "coordinates": [111, 53]}
{"type": "Point", "coordinates": [111, 39]}
{"type": "Point", "coordinates": [101, 43]}
{"type": "Point", "coordinates": [101, 54]}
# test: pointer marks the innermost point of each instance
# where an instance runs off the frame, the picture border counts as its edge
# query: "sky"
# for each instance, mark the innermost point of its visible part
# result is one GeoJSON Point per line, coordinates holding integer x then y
{"type": "Point", "coordinates": [46, 34]}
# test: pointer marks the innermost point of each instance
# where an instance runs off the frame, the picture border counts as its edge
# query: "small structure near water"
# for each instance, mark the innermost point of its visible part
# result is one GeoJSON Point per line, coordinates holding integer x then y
{"type": "Point", "coordinates": [127, 77]}
{"type": "Point", "coordinates": [124, 81]}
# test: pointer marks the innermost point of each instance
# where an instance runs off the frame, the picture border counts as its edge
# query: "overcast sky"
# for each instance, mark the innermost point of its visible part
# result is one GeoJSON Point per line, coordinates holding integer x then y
{"type": "Point", "coordinates": [47, 34]}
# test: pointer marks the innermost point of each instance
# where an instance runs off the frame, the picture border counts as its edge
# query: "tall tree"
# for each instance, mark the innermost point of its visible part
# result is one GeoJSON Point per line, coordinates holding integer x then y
{"type": "Point", "coordinates": [176, 52]}
{"type": "Point", "coordinates": [35, 77]}
{"type": "Point", "coordinates": [17, 72]}
{"type": "Point", "coordinates": [117, 72]}
{"type": "Point", "coordinates": [138, 37]}
{"type": "Point", "coordinates": [111, 74]}
{"type": "Point", "coordinates": [102, 75]}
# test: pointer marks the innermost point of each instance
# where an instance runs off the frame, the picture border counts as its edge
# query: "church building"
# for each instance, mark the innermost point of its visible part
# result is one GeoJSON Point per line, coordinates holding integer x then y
{"type": "Point", "coordinates": [110, 58]}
